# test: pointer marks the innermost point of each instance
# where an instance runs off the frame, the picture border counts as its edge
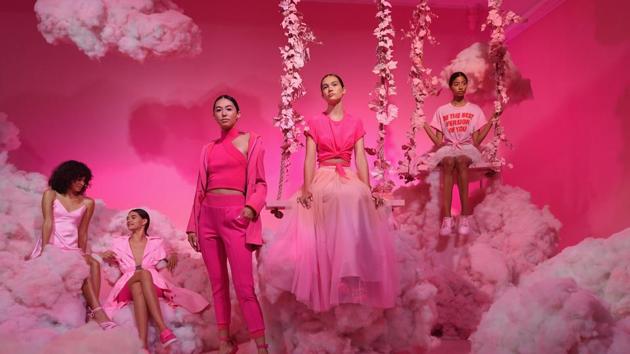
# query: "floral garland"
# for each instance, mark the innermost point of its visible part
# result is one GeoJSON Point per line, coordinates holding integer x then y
{"type": "Point", "coordinates": [498, 20]}
{"type": "Point", "coordinates": [386, 111]}
{"type": "Point", "coordinates": [295, 54]}
{"type": "Point", "coordinates": [423, 84]}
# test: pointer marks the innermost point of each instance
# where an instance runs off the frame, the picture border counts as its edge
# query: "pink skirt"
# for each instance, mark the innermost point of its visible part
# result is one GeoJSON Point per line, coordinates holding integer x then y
{"type": "Point", "coordinates": [467, 150]}
{"type": "Point", "coordinates": [341, 250]}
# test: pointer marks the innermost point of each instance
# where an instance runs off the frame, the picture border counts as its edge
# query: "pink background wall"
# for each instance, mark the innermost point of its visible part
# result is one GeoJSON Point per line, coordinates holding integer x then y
{"type": "Point", "coordinates": [140, 126]}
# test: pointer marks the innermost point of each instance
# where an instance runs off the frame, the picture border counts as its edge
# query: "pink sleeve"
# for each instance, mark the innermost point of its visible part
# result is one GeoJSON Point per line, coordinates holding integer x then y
{"type": "Point", "coordinates": [435, 122]}
{"type": "Point", "coordinates": [160, 252]}
{"type": "Point", "coordinates": [311, 131]}
{"type": "Point", "coordinates": [199, 194]}
{"type": "Point", "coordinates": [257, 198]}
{"type": "Point", "coordinates": [359, 131]}
{"type": "Point", "coordinates": [480, 119]}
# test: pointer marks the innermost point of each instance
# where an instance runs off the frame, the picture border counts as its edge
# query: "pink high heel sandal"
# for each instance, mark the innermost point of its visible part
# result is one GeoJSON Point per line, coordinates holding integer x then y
{"type": "Point", "coordinates": [262, 346]}
{"type": "Point", "coordinates": [230, 342]}
{"type": "Point", "coordinates": [105, 325]}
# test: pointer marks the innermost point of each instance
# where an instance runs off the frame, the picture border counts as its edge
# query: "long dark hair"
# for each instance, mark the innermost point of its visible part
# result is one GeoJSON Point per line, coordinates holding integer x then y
{"type": "Point", "coordinates": [68, 172]}
{"type": "Point", "coordinates": [145, 216]}
{"type": "Point", "coordinates": [229, 98]}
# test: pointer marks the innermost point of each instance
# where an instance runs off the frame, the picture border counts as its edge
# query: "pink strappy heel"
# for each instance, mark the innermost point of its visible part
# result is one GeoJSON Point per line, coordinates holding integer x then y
{"type": "Point", "coordinates": [262, 346]}
{"type": "Point", "coordinates": [105, 325]}
{"type": "Point", "coordinates": [231, 342]}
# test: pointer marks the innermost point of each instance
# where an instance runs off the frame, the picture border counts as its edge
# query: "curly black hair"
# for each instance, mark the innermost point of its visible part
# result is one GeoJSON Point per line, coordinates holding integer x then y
{"type": "Point", "coordinates": [68, 172]}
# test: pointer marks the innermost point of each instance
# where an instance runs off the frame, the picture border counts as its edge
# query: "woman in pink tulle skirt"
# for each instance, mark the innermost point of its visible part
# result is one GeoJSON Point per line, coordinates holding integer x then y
{"type": "Point", "coordinates": [336, 244]}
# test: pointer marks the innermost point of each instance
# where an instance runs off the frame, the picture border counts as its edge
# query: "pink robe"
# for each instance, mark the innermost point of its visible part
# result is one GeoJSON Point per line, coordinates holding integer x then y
{"type": "Point", "coordinates": [154, 252]}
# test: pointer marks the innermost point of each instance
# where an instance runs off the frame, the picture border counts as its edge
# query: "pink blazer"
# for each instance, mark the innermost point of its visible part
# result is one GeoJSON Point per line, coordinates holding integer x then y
{"type": "Point", "coordinates": [255, 188]}
{"type": "Point", "coordinates": [154, 252]}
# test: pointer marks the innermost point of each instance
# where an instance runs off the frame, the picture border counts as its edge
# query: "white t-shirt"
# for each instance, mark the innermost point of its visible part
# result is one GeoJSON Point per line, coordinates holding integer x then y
{"type": "Point", "coordinates": [458, 123]}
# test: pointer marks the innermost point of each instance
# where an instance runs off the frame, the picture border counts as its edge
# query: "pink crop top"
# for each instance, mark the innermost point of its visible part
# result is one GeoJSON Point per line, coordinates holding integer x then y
{"type": "Point", "coordinates": [335, 139]}
{"type": "Point", "coordinates": [227, 166]}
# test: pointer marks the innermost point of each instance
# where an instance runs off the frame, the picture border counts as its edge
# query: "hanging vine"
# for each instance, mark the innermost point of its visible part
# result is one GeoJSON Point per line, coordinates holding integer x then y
{"type": "Point", "coordinates": [295, 54]}
{"type": "Point", "coordinates": [423, 84]}
{"type": "Point", "coordinates": [386, 111]}
{"type": "Point", "coordinates": [498, 20]}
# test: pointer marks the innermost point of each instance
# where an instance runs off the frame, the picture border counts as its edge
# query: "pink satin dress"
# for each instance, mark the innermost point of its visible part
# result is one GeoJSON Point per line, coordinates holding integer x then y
{"type": "Point", "coordinates": [65, 231]}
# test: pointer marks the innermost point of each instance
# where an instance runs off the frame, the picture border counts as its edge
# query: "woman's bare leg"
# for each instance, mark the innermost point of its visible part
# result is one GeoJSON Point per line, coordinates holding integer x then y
{"type": "Point", "coordinates": [461, 164]}
{"type": "Point", "coordinates": [140, 311]}
{"type": "Point", "coordinates": [145, 280]}
{"type": "Point", "coordinates": [95, 274]}
{"type": "Point", "coordinates": [448, 166]}
{"type": "Point", "coordinates": [91, 296]}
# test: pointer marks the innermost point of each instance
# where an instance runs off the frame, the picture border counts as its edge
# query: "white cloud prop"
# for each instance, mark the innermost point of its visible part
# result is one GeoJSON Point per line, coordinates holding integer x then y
{"type": "Point", "coordinates": [578, 300]}
{"type": "Point", "coordinates": [475, 62]}
{"type": "Point", "coordinates": [551, 316]}
{"type": "Point", "coordinates": [9, 139]}
{"type": "Point", "coordinates": [511, 235]}
{"type": "Point", "coordinates": [136, 28]}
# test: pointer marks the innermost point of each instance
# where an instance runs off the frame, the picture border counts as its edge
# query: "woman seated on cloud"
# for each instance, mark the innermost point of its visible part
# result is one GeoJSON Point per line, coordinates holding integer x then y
{"type": "Point", "coordinates": [145, 279]}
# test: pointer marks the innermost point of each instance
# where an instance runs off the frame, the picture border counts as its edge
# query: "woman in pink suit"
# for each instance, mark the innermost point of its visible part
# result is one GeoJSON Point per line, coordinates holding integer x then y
{"type": "Point", "coordinates": [67, 213]}
{"type": "Point", "coordinates": [142, 259]}
{"type": "Point", "coordinates": [337, 241]}
{"type": "Point", "coordinates": [225, 220]}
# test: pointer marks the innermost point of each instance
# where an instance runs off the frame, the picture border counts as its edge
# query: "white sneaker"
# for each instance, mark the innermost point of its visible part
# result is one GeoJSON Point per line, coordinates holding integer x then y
{"type": "Point", "coordinates": [447, 226]}
{"type": "Point", "coordinates": [464, 225]}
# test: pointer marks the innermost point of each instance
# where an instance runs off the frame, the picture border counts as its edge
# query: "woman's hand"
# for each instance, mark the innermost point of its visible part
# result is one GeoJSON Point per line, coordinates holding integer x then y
{"type": "Point", "coordinates": [194, 242]}
{"type": "Point", "coordinates": [248, 213]}
{"type": "Point", "coordinates": [378, 200]}
{"type": "Point", "coordinates": [171, 261]}
{"type": "Point", "coordinates": [305, 199]}
{"type": "Point", "coordinates": [109, 256]}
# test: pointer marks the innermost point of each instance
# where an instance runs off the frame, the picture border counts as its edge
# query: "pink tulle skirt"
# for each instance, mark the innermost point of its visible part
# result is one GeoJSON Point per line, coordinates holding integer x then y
{"type": "Point", "coordinates": [468, 150]}
{"type": "Point", "coordinates": [341, 250]}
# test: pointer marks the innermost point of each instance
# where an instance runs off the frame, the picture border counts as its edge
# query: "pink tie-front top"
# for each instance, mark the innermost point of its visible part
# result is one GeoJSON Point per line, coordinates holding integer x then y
{"type": "Point", "coordinates": [335, 139]}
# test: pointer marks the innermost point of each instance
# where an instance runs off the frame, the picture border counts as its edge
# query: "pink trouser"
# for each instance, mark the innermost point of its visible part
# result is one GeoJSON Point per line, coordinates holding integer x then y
{"type": "Point", "coordinates": [221, 239]}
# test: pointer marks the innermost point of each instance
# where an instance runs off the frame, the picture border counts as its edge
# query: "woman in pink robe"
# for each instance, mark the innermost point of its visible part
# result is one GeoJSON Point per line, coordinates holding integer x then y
{"type": "Point", "coordinates": [142, 259]}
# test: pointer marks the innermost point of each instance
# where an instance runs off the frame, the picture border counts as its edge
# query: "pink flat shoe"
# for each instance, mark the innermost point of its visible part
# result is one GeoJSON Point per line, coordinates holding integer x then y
{"type": "Point", "coordinates": [464, 225]}
{"type": "Point", "coordinates": [447, 226]}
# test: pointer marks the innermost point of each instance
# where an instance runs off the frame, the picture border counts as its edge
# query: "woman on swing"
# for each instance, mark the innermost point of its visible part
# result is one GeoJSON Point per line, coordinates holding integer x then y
{"type": "Point", "coordinates": [337, 244]}
{"type": "Point", "coordinates": [457, 129]}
